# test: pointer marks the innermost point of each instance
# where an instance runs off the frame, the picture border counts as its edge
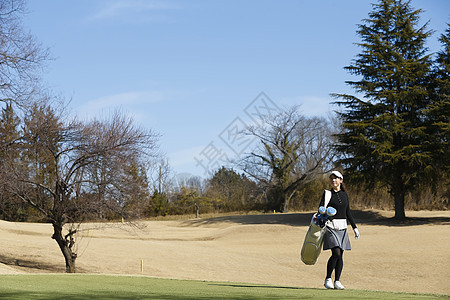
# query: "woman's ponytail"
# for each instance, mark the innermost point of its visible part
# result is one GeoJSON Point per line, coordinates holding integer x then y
{"type": "Point", "coordinates": [343, 188]}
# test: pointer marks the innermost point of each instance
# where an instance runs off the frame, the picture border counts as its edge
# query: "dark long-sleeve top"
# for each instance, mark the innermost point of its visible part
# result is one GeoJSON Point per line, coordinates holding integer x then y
{"type": "Point", "coordinates": [339, 201]}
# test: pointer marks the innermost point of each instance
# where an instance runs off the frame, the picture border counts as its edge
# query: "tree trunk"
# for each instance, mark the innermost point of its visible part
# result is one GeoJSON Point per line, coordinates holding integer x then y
{"type": "Point", "coordinates": [399, 202]}
{"type": "Point", "coordinates": [285, 206]}
{"type": "Point", "coordinates": [65, 247]}
{"type": "Point", "coordinates": [289, 191]}
{"type": "Point", "coordinates": [286, 200]}
{"type": "Point", "coordinates": [398, 191]}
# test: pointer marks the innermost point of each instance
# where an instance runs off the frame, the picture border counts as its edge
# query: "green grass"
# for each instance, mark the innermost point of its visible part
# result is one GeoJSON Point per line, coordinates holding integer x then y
{"type": "Point", "coordinates": [77, 286]}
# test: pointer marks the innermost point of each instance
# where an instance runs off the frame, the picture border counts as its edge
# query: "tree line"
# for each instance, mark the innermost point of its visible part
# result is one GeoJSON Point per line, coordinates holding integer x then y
{"type": "Point", "coordinates": [390, 139]}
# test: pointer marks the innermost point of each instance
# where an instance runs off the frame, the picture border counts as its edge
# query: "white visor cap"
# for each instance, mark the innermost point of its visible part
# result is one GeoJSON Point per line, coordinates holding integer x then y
{"type": "Point", "coordinates": [337, 174]}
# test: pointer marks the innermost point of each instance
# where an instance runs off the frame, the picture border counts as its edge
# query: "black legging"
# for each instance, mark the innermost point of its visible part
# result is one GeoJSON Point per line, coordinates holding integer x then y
{"type": "Point", "coordinates": [335, 263]}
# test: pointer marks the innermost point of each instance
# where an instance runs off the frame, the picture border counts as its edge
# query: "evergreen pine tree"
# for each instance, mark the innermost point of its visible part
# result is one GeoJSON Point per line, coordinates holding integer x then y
{"type": "Point", "coordinates": [385, 126]}
{"type": "Point", "coordinates": [439, 110]}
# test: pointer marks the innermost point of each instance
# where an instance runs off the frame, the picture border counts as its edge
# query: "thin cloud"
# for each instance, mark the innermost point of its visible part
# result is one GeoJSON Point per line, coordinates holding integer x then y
{"type": "Point", "coordinates": [185, 159]}
{"type": "Point", "coordinates": [184, 156]}
{"type": "Point", "coordinates": [125, 99]}
{"type": "Point", "coordinates": [122, 101]}
{"type": "Point", "coordinates": [135, 10]}
{"type": "Point", "coordinates": [311, 105]}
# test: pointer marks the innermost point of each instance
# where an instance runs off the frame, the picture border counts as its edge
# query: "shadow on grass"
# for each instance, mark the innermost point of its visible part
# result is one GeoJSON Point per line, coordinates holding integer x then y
{"type": "Point", "coordinates": [412, 221]}
{"type": "Point", "coordinates": [114, 296]}
{"type": "Point", "coordinates": [304, 219]}
{"type": "Point", "coordinates": [236, 295]}
{"type": "Point", "coordinates": [29, 264]}
{"type": "Point", "coordinates": [259, 286]}
{"type": "Point", "coordinates": [34, 266]}
{"type": "Point", "coordinates": [93, 295]}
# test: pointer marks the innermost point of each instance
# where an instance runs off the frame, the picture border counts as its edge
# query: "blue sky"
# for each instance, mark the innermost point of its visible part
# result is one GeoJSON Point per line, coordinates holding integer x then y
{"type": "Point", "coordinates": [189, 69]}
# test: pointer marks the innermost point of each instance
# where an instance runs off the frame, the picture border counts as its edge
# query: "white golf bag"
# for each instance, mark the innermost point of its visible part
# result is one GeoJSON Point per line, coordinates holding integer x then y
{"type": "Point", "coordinates": [312, 245]}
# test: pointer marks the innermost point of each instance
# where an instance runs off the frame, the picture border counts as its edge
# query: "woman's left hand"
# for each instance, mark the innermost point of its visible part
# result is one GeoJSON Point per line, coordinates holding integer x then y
{"type": "Point", "coordinates": [356, 233]}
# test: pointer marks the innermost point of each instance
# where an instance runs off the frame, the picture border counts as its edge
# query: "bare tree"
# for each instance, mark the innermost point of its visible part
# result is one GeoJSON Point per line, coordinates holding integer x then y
{"type": "Point", "coordinates": [21, 57]}
{"type": "Point", "coordinates": [292, 149]}
{"type": "Point", "coordinates": [77, 170]}
{"type": "Point", "coordinates": [160, 175]}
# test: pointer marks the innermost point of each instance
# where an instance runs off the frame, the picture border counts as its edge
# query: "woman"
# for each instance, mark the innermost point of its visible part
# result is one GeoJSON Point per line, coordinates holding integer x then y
{"type": "Point", "coordinates": [336, 237]}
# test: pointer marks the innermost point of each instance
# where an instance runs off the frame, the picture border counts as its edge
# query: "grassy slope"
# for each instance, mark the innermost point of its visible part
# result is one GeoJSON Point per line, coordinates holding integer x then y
{"type": "Point", "coordinates": [70, 286]}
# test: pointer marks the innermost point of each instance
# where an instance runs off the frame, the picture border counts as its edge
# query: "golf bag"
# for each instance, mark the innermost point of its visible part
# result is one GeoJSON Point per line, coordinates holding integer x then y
{"type": "Point", "coordinates": [312, 245]}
